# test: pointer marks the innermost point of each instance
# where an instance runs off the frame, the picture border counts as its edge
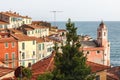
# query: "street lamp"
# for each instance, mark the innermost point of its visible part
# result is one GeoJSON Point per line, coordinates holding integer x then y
{"type": "Point", "coordinates": [20, 67]}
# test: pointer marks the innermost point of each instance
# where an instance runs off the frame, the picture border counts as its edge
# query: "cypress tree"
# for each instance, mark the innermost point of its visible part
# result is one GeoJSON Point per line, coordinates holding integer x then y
{"type": "Point", "coordinates": [71, 63]}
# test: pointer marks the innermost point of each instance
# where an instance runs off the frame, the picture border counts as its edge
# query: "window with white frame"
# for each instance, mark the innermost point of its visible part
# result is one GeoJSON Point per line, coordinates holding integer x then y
{"type": "Point", "coordinates": [6, 44]}
{"type": "Point", "coordinates": [13, 44]}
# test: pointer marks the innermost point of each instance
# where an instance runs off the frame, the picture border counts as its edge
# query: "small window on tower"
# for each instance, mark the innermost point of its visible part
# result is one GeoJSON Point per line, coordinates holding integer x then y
{"type": "Point", "coordinates": [104, 33]}
{"type": "Point", "coordinates": [99, 34]}
{"type": "Point", "coordinates": [98, 52]}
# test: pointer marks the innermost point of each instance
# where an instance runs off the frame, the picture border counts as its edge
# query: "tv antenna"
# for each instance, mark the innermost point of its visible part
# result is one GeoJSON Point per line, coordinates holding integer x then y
{"type": "Point", "coordinates": [54, 12]}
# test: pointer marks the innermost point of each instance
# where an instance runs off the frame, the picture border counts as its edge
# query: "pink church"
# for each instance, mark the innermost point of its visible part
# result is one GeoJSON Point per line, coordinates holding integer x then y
{"type": "Point", "coordinates": [98, 51]}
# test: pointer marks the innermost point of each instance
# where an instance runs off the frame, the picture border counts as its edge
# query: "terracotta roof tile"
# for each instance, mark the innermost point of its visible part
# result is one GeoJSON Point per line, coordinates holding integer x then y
{"type": "Point", "coordinates": [13, 14]}
{"type": "Point", "coordinates": [2, 22]}
{"type": "Point", "coordinates": [35, 26]}
{"type": "Point", "coordinates": [9, 39]}
{"type": "Point", "coordinates": [22, 37]}
{"type": "Point", "coordinates": [4, 71]}
{"type": "Point", "coordinates": [61, 30]}
{"type": "Point", "coordinates": [15, 31]}
{"type": "Point", "coordinates": [114, 73]}
{"type": "Point", "coordinates": [47, 64]}
{"type": "Point", "coordinates": [43, 65]}
{"type": "Point", "coordinates": [95, 67]}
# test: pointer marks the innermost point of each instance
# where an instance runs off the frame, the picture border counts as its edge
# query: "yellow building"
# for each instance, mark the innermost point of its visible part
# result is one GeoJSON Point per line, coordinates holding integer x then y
{"type": "Point", "coordinates": [35, 30]}
{"type": "Point", "coordinates": [26, 49]}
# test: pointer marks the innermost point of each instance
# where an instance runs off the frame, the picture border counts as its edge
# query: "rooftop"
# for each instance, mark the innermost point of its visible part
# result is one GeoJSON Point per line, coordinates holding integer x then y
{"type": "Point", "coordinates": [95, 67]}
{"type": "Point", "coordinates": [13, 14]}
{"type": "Point", "coordinates": [88, 44]}
{"type": "Point", "coordinates": [2, 22]}
{"type": "Point", "coordinates": [22, 37]}
{"type": "Point", "coordinates": [4, 71]}
{"type": "Point", "coordinates": [113, 73]}
{"type": "Point", "coordinates": [8, 39]}
{"type": "Point", "coordinates": [43, 66]}
{"type": "Point", "coordinates": [47, 64]}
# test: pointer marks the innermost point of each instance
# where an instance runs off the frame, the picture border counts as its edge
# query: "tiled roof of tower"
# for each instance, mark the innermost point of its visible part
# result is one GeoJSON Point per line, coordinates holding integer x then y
{"type": "Point", "coordinates": [102, 25]}
{"type": "Point", "coordinates": [88, 44]}
{"type": "Point", "coordinates": [43, 66]}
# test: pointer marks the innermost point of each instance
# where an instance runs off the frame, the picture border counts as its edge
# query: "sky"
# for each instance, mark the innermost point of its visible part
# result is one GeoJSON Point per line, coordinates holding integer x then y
{"type": "Point", "coordinates": [77, 10]}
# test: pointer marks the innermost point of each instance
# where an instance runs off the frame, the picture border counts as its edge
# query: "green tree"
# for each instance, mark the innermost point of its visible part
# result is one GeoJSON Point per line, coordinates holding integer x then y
{"type": "Point", "coordinates": [71, 63]}
{"type": "Point", "coordinates": [27, 73]}
{"type": "Point", "coordinates": [23, 73]}
{"type": "Point", "coordinates": [46, 76]}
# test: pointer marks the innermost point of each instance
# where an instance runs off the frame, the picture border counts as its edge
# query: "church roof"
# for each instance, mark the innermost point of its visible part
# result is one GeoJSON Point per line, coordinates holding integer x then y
{"type": "Point", "coordinates": [102, 25]}
{"type": "Point", "coordinates": [88, 44]}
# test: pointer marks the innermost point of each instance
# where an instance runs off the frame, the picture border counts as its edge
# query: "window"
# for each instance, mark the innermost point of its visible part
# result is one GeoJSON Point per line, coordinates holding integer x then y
{"type": "Point", "coordinates": [0, 26]}
{"type": "Point", "coordinates": [23, 63]}
{"type": "Point", "coordinates": [33, 53]}
{"type": "Point", "coordinates": [33, 61]}
{"type": "Point", "coordinates": [28, 32]}
{"type": "Point", "coordinates": [23, 22]}
{"type": "Point", "coordinates": [13, 56]}
{"type": "Point", "coordinates": [23, 55]}
{"type": "Point", "coordinates": [39, 46]}
{"type": "Point", "coordinates": [6, 59]}
{"type": "Point", "coordinates": [32, 32]}
{"type": "Point", "coordinates": [104, 33]}
{"type": "Point", "coordinates": [29, 64]}
{"type": "Point", "coordinates": [5, 26]}
{"type": "Point", "coordinates": [6, 45]}
{"type": "Point", "coordinates": [97, 77]}
{"type": "Point", "coordinates": [6, 56]}
{"type": "Point", "coordinates": [98, 52]}
{"type": "Point", "coordinates": [13, 60]}
{"type": "Point", "coordinates": [36, 31]}
{"type": "Point", "coordinates": [13, 44]}
{"type": "Point", "coordinates": [43, 46]}
{"type": "Point", "coordinates": [23, 46]}
{"type": "Point", "coordinates": [99, 34]}
{"type": "Point", "coordinates": [33, 42]}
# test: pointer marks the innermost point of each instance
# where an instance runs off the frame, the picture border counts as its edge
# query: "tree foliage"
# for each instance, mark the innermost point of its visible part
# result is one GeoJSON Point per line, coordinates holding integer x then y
{"type": "Point", "coordinates": [71, 63]}
{"type": "Point", "coordinates": [23, 73]}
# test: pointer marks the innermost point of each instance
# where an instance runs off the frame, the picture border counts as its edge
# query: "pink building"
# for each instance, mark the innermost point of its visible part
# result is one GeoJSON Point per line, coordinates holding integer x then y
{"type": "Point", "coordinates": [98, 51]}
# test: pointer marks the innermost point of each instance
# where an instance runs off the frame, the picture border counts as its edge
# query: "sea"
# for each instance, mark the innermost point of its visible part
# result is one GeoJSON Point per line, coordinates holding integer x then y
{"type": "Point", "coordinates": [90, 28]}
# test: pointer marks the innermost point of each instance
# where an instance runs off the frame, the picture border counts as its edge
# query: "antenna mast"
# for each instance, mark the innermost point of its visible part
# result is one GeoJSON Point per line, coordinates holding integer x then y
{"type": "Point", "coordinates": [54, 12]}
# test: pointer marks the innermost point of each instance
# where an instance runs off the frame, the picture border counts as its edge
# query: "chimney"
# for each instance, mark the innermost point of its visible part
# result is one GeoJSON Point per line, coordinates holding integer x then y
{"type": "Point", "coordinates": [14, 12]}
